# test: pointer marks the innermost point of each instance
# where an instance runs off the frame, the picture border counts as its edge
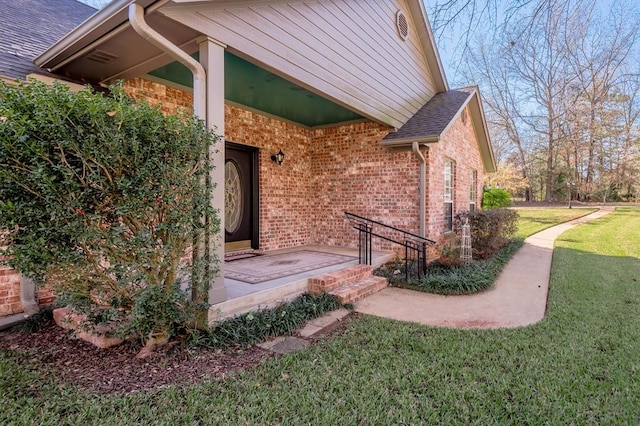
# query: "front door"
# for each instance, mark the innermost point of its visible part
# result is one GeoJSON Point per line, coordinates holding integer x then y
{"type": "Point", "coordinates": [241, 196]}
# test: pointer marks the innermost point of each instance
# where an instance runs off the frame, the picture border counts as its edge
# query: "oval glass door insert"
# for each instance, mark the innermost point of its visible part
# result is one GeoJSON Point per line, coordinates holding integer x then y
{"type": "Point", "coordinates": [232, 198]}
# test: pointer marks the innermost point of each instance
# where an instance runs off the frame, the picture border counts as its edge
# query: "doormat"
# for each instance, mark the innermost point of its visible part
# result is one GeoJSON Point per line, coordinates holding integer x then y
{"type": "Point", "coordinates": [239, 256]}
{"type": "Point", "coordinates": [270, 267]}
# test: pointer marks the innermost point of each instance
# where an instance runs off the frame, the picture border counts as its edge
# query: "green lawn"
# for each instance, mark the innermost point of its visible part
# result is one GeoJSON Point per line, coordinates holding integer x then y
{"type": "Point", "coordinates": [536, 219]}
{"type": "Point", "coordinates": [580, 365]}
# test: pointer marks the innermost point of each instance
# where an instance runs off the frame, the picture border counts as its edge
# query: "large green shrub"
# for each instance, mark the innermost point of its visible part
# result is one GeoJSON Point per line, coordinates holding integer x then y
{"type": "Point", "coordinates": [490, 230]}
{"type": "Point", "coordinates": [495, 198]}
{"type": "Point", "coordinates": [100, 197]}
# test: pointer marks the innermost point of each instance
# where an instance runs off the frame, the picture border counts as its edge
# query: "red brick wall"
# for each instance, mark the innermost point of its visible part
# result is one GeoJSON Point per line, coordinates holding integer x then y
{"type": "Point", "coordinates": [9, 291]}
{"type": "Point", "coordinates": [329, 171]}
{"type": "Point", "coordinates": [459, 145]}
{"type": "Point", "coordinates": [285, 191]}
{"type": "Point", "coordinates": [157, 93]}
{"type": "Point", "coordinates": [352, 172]}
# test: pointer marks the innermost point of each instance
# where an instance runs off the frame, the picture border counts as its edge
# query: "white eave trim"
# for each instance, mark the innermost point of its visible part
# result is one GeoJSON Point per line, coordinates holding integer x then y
{"type": "Point", "coordinates": [428, 43]}
{"type": "Point", "coordinates": [408, 142]}
{"type": "Point", "coordinates": [117, 11]}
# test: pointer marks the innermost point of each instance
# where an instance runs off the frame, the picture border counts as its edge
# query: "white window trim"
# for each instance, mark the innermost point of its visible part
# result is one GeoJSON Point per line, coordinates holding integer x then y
{"type": "Point", "coordinates": [448, 196]}
{"type": "Point", "coordinates": [473, 190]}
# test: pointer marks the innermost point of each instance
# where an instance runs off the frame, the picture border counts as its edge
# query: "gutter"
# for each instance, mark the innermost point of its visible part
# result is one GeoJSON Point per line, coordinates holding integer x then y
{"type": "Point", "coordinates": [408, 142]}
{"type": "Point", "coordinates": [140, 26]}
{"type": "Point", "coordinates": [421, 185]}
{"type": "Point", "coordinates": [97, 25]}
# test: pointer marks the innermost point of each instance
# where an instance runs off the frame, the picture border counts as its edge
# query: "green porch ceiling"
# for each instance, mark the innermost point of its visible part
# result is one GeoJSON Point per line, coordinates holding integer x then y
{"type": "Point", "coordinates": [254, 87]}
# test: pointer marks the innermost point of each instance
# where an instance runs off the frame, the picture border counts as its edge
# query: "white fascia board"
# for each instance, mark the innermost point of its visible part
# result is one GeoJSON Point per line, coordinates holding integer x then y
{"type": "Point", "coordinates": [407, 142]}
{"type": "Point", "coordinates": [428, 43]}
{"type": "Point", "coordinates": [102, 22]}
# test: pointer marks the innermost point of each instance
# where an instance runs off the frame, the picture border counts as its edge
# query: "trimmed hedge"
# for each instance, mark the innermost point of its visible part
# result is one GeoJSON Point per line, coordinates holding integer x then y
{"type": "Point", "coordinates": [490, 230]}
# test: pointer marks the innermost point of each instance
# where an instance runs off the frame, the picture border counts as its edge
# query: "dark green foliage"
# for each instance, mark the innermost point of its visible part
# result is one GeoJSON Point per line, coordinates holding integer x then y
{"type": "Point", "coordinates": [37, 321]}
{"type": "Point", "coordinates": [490, 230]}
{"type": "Point", "coordinates": [447, 279]}
{"type": "Point", "coordinates": [102, 196]}
{"type": "Point", "coordinates": [495, 198]}
{"type": "Point", "coordinates": [257, 326]}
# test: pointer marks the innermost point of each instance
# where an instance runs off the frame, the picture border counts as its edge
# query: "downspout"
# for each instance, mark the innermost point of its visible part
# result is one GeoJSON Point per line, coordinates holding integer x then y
{"type": "Point", "coordinates": [136, 18]}
{"type": "Point", "coordinates": [423, 177]}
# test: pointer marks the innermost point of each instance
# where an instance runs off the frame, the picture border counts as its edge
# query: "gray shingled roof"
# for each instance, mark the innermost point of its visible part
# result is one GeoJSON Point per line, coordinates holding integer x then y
{"type": "Point", "coordinates": [434, 117]}
{"type": "Point", "coordinates": [29, 27]}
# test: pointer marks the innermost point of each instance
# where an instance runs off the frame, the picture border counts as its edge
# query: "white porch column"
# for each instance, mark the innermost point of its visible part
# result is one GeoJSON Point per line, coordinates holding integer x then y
{"type": "Point", "coordinates": [212, 59]}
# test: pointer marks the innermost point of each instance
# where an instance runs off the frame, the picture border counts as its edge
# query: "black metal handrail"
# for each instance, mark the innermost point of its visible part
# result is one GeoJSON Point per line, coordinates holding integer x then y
{"type": "Point", "coordinates": [415, 246]}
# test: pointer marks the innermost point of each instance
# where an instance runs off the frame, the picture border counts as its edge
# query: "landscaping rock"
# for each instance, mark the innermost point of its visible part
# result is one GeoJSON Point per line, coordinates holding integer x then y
{"type": "Point", "coordinates": [97, 336]}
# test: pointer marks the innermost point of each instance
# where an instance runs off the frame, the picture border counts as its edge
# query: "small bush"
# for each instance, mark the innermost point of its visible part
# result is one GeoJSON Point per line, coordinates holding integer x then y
{"type": "Point", "coordinates": [37, 321]}
{"type": "Point", "coordinates": [495, 198]}
{"type": "Point", "coordinates": [254, 327]}
{"type": "Point", "coordinates": [490, 230]}
{"type": "Point", "coordinates": [449, 252]}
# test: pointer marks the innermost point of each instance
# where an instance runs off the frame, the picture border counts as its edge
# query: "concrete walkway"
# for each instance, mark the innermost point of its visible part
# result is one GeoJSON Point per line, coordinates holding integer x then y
{"type": "Point", "coordinates": [518, 298]}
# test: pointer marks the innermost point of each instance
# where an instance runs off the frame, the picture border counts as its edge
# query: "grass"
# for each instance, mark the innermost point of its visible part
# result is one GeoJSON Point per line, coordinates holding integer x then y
{"type": "Point", "coordinates": [534, 220]}
{"type": "Point", "coordinates": [580, 365]}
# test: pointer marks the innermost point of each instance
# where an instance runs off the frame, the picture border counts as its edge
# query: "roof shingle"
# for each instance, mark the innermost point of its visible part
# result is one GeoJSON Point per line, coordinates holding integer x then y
{"type": "Point", "coordinates": [29, 27]}
{"type": "Point", "coordinates": [434, 117]}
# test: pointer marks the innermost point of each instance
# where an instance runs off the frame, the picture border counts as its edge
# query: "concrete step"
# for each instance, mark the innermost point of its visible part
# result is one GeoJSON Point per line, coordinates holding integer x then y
{"type": "Point", "coordinates": [350, 284]}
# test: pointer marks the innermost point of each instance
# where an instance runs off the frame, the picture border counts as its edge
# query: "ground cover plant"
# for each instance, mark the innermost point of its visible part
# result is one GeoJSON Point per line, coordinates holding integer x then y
{"type": "Point", "coordinates": [492, 230]}
{"type": "Point", "coordinates": [493, 246]}
{"type": "Point", "coordinates": [580, 365]}
{"type": "Point", "coordinates": [452, 279]}
{"type": "Point", "coordinates": [257, 326]}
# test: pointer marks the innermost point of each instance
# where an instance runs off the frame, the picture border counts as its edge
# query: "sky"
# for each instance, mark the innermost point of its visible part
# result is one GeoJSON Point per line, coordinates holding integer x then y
{"type": "Point", "coordinates": [95, 3]}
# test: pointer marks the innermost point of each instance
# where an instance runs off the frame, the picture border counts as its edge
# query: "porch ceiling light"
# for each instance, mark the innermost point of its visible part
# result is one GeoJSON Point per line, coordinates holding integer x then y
{"type": "Point", "coordinates": [278, 158]}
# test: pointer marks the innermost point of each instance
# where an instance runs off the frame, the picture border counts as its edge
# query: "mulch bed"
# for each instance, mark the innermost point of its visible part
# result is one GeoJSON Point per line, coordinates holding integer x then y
{"type": "Point", "coordinates": [117, 370]}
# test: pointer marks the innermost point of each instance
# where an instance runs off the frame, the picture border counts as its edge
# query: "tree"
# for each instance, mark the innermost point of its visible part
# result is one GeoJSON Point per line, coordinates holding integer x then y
{"type": "Point", "coordinates": [101, 198]}
{"type": "Point", "coordinates": [507, 178]}
{"type": "Point", "coordinates": [554, 85]}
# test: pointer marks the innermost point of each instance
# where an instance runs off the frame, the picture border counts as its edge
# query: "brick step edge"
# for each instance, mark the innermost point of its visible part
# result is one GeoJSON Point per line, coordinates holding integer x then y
{"type": "Point", "coordinates": [334, 280]}
{"type": "Point", "coordinates": [353, 292]}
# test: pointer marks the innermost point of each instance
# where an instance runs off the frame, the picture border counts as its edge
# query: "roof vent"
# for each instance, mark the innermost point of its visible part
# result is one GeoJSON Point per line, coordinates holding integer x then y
{"type": "Point", "coordinates": [101, 56]}
{"type": "Point", "coordinates": [402, 25]}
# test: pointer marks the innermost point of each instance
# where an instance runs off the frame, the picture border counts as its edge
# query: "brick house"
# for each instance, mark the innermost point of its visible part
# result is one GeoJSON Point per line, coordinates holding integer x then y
{"type": "Point", "coordinates": [353, 94]}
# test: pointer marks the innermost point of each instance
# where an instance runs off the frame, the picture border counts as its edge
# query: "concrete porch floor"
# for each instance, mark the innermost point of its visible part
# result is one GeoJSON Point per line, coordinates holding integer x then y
{"type": "Point", "coordinates": [244, 297]}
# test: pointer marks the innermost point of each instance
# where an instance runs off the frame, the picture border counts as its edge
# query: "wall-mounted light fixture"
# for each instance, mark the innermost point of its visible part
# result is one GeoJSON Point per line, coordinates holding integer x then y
{"type": "Point", "coordinates": [278, 158]}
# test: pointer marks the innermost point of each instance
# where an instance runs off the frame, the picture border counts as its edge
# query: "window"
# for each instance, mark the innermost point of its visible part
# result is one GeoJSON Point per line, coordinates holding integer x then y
{"type": "Point", "coordinates": [472, 191]}
{"type": "Point", "coordinates": [448, 196]}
